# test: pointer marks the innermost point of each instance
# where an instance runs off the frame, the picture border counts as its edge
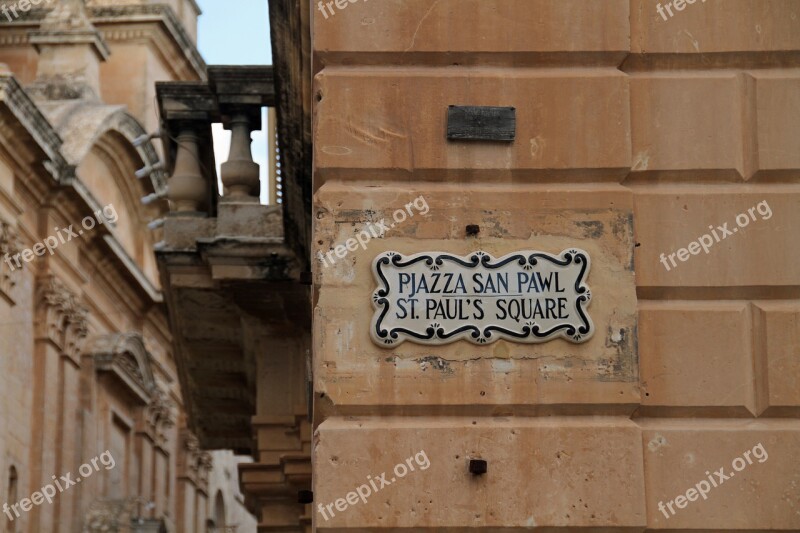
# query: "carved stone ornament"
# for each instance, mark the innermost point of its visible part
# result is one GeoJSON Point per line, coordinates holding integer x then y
{"type": "Point", "coordinates": [61, 319]}
{"type": "Point", "coordinates": [125, 357]}
{"type": "Point", "coordinates": [9, 247]}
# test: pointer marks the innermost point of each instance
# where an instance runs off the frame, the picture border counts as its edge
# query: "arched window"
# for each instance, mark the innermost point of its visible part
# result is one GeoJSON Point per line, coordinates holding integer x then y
{"type": "Point", "coordinates": [12, 497]}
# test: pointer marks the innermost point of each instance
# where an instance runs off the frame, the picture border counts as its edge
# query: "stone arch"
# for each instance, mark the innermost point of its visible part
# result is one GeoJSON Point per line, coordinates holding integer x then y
{"type": "Point", "coordinates": [99, 144]}
{"type": "Point", "coordinates": [83, 124]}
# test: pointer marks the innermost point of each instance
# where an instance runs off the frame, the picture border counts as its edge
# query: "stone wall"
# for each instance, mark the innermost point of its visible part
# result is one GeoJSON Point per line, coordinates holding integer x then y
{"type": "Point", "coordinates": [636, 134]}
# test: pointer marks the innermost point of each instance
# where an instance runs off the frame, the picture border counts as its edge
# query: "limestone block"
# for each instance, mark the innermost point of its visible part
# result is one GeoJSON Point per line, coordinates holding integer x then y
{"type": "Point", "coordinates": [705, 27]}
{"type": "Point", "coordinates": [471, 26]}
{"type": "Point", "coordinates": [763, 253]}
{"type": "Point", "coordinates": [579, 472]}
{"type": "Point", "coordinates": [778, 356]}
{"type": "Point", "coordinates": [696, 355]}
{"type": "Point", "coordinates": [761, 496]}
{"type": "Point", "coordinates": [777, 107]}
{"type": "Point", "coordinates": [687, 122]}
{"type": "Point", "coordinates": [396, 119]}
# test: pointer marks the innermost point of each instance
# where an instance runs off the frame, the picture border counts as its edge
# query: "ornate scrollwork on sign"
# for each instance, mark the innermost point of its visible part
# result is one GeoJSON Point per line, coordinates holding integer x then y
{"type": "Point", "coordinates": [523, 297]}
{"type": "Point", "coordinates": [61, 319]}
{"type": "Point", "coordinates": [9, 247]}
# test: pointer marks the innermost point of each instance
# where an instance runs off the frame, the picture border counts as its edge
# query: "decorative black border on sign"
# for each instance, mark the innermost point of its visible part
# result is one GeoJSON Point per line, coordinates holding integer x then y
{"type": "Point", "coordinates": [531, 330]}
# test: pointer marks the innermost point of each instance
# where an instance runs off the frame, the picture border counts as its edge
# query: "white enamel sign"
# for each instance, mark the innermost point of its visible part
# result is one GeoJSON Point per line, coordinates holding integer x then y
{"type": "Point", "coordinates": [523, 297]}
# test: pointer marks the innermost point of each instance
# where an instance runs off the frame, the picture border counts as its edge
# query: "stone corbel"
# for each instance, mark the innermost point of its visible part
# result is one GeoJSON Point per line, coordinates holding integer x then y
{"type": "Point", "coordinates": [205, 463]}
{"type": "Point", "coordinates": [157, 418]}
{"type": "Point", "coordinates": [188, 459]}
{"type": "Point", "coordinates": [60, 319]}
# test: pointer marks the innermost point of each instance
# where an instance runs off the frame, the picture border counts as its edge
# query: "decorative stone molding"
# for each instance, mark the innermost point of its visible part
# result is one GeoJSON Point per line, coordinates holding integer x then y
{"type": "Point", "coordinates": [60, 319]}
{"type": "Point", "coordinates": [194, 464]}
{"type": "Point", "coordinates": [9, 246]}
{"type": "Point", "coordinates": [120, 516]}
{"type": "Point", "coordinates": [158, 417]}
{"type": "Point", "coordinates": [61, 73]}
{"type": "Point", "coordinates": [30, 117]}
{"type": "Point", "coordinates": [125, 358]}
{"type": "Point", "coordinates": [105, 516]}
{"type": "Point", "coordinates": [205, 464]}
{"type": "Point", "coordinates": [101, 13]}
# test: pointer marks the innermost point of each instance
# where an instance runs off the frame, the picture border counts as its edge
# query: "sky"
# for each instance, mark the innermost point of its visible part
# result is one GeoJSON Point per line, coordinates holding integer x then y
{"type": "Point", "coordinates": [236, 32]}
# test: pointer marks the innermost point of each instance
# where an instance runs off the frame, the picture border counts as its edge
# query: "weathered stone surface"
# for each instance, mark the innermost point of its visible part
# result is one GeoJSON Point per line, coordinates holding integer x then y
{"type": "Point", "coordinates": [677, 126]}
{"type": "Point", "coordinates": [697, 117]}
{"type": "Point", "coordinates": [762, 255]}
{"type": "Point", "coordinates": [777, 116]}
{"type": "Point", "coordinates": [716, 26]}
{"type": "Point", "coordinates": [696, 355]}
{"type": "Point", "coordinates": [761, 496]}
{"type": "Point", "coordinates": [396, 120]}
{"type": "Point", "coordinates": [453, 25]}
{"type": "Point", "coordinates": [88, 377]}
{"type": "Point", "coordinates": [601, 371]}
{"type": "Point", "coordinates": [568, 465]}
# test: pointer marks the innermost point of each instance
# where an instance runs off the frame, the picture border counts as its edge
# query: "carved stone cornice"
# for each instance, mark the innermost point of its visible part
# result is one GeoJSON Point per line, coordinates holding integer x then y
{"type": "Point", "coordinates": [115, 15]}
{"type": "Point", "coordinates": [60, 318]}
{"type": "Point", "coordinates": [124, 357]}
{"type": "Point", "coordinates": [68, 23]}
{"type": "Point", "coordinates": [15, 99]}
{"type": "Point", "coordinates": [123, 23]}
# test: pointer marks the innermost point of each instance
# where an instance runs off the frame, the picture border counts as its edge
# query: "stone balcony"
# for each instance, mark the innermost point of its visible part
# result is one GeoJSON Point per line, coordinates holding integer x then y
{"type": "Point", "coordinates": [232, 280]}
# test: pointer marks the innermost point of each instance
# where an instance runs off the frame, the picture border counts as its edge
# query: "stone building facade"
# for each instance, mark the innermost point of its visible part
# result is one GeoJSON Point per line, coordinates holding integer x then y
{"type": "Point", "coordinates": [636, 135]}
{"type": "Point", "coordinates": [89, 385]}
{"type": "Point", "coordinates": [656, 142]}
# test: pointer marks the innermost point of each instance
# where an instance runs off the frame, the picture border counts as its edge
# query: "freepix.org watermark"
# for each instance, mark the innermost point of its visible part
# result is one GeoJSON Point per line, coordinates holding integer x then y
{"type": "Point", "coordinates": [705, 242]}
{"type": "Point", "coordinates": [373, 231]}
{"type": "Point", "coordinates": [679, 5]}
{"type": "Point", "coordinates": [340, 4]}
{"type": "Point", "coordinates": [22, 5]}
{"type": "Point", "coordinates": [374, 484]}
{"type": "Point", "coordinates": [62, 236]}
{"type": "Point", "coordinates": [48, 492]}
{"type": "Point", "coordinates": [714, 480]}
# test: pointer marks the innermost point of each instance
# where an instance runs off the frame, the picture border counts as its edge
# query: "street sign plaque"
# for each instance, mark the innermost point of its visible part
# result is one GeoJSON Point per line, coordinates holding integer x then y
{"type": "Point", "coordinates": [438, 298]}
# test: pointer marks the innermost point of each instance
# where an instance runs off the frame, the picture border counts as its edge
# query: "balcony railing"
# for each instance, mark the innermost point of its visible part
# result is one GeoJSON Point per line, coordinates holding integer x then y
{"type": "Point", "coordinates": [231, 271]}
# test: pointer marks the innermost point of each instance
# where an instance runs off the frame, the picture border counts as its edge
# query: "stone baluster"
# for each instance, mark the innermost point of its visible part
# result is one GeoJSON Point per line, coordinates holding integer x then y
{"type": "Point", "coordinates": [187, 187]}
{"type": "Point", "coordinates": [240, 174]}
